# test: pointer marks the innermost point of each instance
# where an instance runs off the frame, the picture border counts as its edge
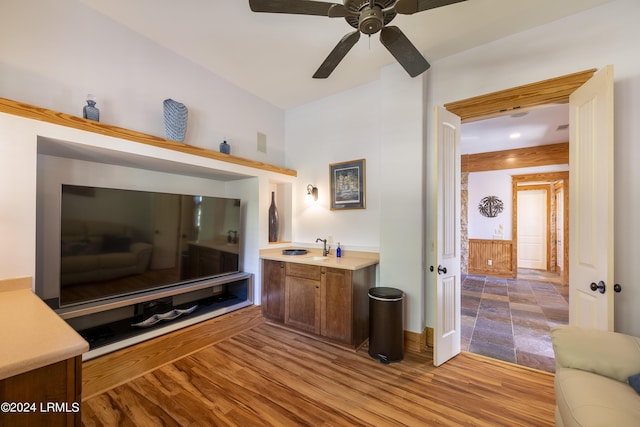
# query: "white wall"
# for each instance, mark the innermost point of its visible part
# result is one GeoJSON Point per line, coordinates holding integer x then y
{"type": "Point", "coordinates": [595, 38]}
{"type": "Point", "coordinates": [496, 183]}
{"type": "Point", "coordinates": [340, 128]}
{"type": "Point", "coordinates": [481, 185]}
{"type": "Point", "coordinates": [381, 122]}
{"type": "Point", "coordinates": [55, 52]}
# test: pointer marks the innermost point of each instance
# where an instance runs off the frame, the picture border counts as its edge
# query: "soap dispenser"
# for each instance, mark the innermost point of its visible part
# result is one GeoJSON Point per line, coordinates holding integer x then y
{"type": "Point", "coordinates": [338, 251]}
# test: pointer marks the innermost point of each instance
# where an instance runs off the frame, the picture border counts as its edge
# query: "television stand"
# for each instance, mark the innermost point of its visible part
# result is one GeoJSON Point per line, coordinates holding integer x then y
{"type": "Point", "coordinates": [114, 324]}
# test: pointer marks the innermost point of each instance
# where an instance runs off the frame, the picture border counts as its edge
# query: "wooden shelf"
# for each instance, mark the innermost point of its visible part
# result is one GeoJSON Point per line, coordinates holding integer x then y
{"type": "Point", "coordinates": [42, 114]}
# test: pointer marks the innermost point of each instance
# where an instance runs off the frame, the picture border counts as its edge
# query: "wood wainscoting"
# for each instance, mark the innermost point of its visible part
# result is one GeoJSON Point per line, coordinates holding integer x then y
{"type": "Point", "coordinates": [498, 253]}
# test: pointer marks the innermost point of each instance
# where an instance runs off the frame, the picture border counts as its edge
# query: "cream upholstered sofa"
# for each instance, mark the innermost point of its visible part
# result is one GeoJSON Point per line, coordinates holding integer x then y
{"type": "Point", "coordinates": [593, 369]}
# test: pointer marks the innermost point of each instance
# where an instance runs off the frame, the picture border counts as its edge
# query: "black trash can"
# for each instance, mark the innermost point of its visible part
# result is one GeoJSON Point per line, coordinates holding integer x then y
{"type": "Point", "coordinates": [386, 333]}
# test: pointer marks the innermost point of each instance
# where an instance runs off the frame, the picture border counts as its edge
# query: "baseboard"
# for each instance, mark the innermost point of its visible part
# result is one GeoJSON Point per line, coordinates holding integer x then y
{"type": "Point", "coordinates": [416, 341]}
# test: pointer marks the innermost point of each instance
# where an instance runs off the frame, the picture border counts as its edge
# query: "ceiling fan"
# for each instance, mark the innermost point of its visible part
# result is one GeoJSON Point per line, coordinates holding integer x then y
{"type": "Point", "coordinates": [367, 17]}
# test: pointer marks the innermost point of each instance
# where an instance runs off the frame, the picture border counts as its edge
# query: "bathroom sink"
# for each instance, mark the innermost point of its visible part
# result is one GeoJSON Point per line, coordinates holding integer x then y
{"type": "Point", "coordinates": [294, 252]}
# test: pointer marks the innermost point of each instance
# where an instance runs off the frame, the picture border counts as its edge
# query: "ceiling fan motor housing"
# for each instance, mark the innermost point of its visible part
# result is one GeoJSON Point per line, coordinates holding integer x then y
{"type": "Point", "coordinates": [369, 20]}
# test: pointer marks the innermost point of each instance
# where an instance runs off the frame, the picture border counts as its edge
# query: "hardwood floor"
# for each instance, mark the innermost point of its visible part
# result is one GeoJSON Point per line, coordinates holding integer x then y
{"type": "Point", "coordinates": [238, 370]}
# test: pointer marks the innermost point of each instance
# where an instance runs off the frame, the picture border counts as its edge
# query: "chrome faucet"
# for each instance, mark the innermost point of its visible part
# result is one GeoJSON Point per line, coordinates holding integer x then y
{"type": "Point", "coordinates": [325, 251]}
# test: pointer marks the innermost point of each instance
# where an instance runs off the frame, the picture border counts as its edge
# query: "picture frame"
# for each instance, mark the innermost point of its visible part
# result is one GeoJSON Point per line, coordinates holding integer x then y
{"type": "Point", "coordinates": [348, 185]}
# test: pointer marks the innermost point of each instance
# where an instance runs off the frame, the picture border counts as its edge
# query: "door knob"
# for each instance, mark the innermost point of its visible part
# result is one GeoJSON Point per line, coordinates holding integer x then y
{"type": "Point", "coordinates": [442, 270]}
{"type": "Point", "coordinates": [600, 287]}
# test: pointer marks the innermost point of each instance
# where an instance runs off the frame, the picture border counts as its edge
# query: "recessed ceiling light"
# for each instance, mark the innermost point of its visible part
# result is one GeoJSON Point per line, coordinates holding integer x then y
{"type": "Point", "coordinates": [514, 135]}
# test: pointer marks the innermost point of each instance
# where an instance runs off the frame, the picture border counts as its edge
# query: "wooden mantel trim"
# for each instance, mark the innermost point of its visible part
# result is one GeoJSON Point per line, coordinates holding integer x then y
{"type": "Point", "coordinates": [42, 114]}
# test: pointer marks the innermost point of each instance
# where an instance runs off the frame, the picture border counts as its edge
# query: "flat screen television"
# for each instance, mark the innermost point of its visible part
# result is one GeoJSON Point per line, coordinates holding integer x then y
{"type": "Point", "coordinates": [116, 242]}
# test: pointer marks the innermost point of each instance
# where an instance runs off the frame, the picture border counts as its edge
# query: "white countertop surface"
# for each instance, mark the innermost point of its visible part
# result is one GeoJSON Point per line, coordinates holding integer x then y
{"type": "Point", "coordinates": [350, 260]}
{"type": "Point", "coordinates": [32, 334]}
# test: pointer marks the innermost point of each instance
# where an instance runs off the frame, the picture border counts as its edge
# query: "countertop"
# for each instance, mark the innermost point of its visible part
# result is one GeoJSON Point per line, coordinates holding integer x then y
{"type": "Point", "coordinates": [32, 334]}
{"type": "Point", "coordinates": [350, 260]}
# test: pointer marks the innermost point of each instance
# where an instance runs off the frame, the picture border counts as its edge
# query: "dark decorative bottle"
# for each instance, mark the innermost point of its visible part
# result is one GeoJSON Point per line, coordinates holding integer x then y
{"type": "Point", "coordinates": [273, 219]}
{"type": "Point", "coordinates": [90, 111]}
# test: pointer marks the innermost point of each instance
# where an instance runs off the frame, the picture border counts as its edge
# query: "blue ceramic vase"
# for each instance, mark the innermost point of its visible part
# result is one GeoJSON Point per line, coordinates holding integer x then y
{"type": "Point", "coordinates": [175, 120]}
{"type": "Point", "coordinates": [90, 111]}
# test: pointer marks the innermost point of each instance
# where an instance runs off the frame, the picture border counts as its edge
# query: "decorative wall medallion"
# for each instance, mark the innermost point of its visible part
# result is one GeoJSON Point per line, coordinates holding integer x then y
{"type": "Point", "coordinates": [490, 206]}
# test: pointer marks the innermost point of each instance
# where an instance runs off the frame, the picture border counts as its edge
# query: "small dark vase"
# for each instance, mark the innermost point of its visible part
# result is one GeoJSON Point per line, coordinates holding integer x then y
{"type": "Point", "coordinates": [225, 148]}
{"type": "Point", "coordinates": [273, 219]}
{"type": "Point", "coordinates": [90, 111]}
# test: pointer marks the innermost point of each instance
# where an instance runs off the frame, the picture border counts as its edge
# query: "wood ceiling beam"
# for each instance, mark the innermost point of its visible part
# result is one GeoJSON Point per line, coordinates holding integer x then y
{"type": "Point", "coordinates": [542, 155]}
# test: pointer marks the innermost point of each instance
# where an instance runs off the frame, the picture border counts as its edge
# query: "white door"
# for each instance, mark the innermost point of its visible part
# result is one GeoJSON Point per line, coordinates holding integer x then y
{"type": "Point", "coordinates": [532, 229]}
{"type": "Point", "coordinates": [591, 203]}
{"type": "Point", "coordinates": [446, 266]}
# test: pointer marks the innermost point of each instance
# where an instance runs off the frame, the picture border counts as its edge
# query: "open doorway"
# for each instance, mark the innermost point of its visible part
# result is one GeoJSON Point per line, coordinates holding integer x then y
{"type": "Point", "coordinates": [512, 294]}
{"type": "Point", "coordinates": [593, 139]}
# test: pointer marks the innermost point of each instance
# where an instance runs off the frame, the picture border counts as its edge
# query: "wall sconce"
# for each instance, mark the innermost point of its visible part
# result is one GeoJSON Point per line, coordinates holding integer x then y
{"type": "Point", "coordinates": [312, 193]}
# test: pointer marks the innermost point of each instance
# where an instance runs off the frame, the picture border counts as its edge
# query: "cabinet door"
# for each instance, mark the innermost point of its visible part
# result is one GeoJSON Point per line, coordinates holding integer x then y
{"type": "Point", "coordinates": [302, 304]}
{"type": "Point", "coordinates": [336, 305]}
{"type": "Point", "coordinates": [59, 382]}
{"type": "Point", "coordinates": [273, 287]}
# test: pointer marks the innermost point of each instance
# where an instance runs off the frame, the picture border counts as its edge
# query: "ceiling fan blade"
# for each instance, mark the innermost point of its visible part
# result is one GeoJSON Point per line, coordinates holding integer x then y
{"type": "Point", "coordinates": [339, 11]}
{"type": "Point", "coordinates": [301, 7]}
{"type": "Point", "coordinates": [409, 7]}
{"type": "Point", "coordinates": [403, 50]}
{"type": "Point", "coordinates": [342, 48]}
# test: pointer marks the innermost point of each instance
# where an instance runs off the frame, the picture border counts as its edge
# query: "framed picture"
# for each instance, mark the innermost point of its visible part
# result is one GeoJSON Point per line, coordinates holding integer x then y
{"type": "Point", "coordinates": [347, 181]}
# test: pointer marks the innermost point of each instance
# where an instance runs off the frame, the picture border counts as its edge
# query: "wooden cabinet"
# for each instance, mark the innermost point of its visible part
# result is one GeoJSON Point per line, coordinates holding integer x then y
{"type": "Point", "coordinates": [337, 305]}
{"type": "Point", "coordinates": [273, 276]}
{"type": "Point", "coordinates": [331, 303]}
{"type": "Point", "coordinates": [302, 297]}
{"type": "Point", "coordinates": [49, 396]}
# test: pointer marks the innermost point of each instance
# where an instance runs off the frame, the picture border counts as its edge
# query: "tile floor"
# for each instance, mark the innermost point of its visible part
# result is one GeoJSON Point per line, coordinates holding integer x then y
{"type": "Point", "coordinates": [510, 319]}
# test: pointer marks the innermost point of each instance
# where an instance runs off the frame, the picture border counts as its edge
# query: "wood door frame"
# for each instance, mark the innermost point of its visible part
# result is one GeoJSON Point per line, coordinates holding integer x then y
{"type": "Point", "coordinates": [551, 91]}
{"type": "Point", "coordinates": [495, 104]}
{"type": "Point", "coordinates": [550, 177]}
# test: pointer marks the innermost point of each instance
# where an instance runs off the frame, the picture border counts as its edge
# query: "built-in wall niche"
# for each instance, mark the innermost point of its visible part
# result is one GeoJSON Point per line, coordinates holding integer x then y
{"type": "Point", "coordinates": [107, 323]}
{"type": "Point", "coordinates": [284, 203]}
